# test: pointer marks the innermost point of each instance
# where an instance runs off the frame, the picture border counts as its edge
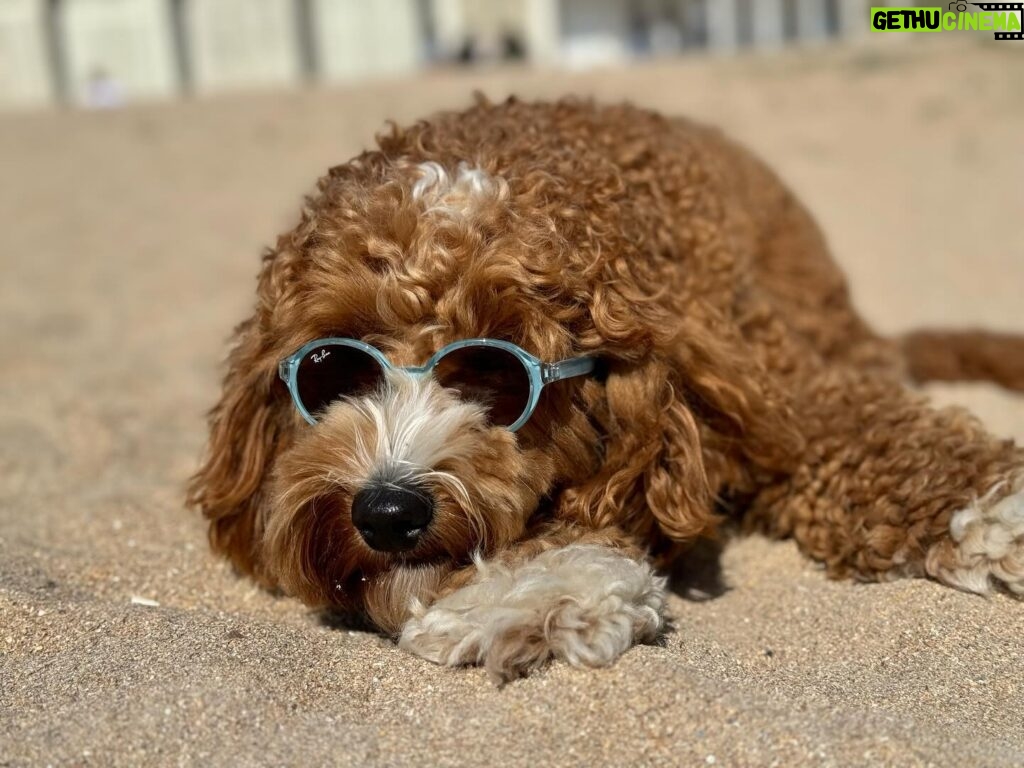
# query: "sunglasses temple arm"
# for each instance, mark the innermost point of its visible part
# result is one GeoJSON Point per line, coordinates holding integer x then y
{"type": "Point", "coordinates": [566, 369]}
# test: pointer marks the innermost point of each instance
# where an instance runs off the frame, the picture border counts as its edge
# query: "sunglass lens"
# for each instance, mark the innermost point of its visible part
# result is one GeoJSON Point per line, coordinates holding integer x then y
{"type": "Point", "coordinates": [491, 376]}
{"type": "Point", "coordinates": [333, 372]}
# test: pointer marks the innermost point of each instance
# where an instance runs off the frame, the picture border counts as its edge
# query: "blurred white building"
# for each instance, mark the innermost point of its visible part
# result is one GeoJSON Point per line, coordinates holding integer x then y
{"type": "Point", "coordinates": [103, 53]}
{"type": "Point", "coordinates": [114, 51]}
{"type": "Point", "coordinates": [229, 44]}
{"type": "Point", "coordinates": [25, 75]}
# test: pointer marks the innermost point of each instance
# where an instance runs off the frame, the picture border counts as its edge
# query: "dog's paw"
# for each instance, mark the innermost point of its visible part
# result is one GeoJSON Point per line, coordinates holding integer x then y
{"type": "Point", "coordinates": [584, 604]}
{"type": "Point", "coordinates": [985, 548]}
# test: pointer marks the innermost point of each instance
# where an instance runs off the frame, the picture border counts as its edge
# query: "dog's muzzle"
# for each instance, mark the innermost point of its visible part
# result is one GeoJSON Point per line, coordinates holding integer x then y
{"type": "Point", "coordinates": [392, 518]}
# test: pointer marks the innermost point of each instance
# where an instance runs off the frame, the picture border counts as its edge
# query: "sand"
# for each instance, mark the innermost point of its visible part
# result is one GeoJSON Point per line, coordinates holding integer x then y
{"type": "Point", "coordinates": [128, 248]}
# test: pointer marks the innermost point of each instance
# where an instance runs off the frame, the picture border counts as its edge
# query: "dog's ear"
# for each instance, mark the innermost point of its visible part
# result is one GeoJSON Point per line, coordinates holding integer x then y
{"type": "Point", "coordinates": [652, 458]}
{"type": "Point", "coordinates": [248, 427]}
{"type": "Point", "coordinates": [689, 419]}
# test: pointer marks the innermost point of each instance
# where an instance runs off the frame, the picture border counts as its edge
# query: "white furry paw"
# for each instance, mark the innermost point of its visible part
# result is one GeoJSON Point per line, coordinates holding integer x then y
{"type": "Point", "coordinates": [985, 548]}
{"type": "Point", "coordinates": [584, 604]}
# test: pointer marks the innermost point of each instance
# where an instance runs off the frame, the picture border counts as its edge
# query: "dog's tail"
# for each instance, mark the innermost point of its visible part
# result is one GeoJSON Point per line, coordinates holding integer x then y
{"type": "Point", "coordinates": [971, 355]}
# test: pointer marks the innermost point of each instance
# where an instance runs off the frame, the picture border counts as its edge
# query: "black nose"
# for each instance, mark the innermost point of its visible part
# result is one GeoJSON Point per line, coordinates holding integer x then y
{"type": "Point", "coordinates": [391, 519]}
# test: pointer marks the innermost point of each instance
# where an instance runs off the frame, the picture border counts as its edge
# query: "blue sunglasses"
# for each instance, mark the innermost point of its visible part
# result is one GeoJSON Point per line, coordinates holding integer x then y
{"type": "Point", "coordinates": [505, 379]}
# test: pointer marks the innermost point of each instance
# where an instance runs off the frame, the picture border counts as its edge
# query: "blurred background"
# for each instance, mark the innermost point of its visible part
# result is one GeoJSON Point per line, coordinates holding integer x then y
{"type": "Point", "coordinates": [103, 53]}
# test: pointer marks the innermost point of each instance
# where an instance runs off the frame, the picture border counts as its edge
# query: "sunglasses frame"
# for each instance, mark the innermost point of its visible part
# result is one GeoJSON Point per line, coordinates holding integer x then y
{"type": "Point", "coordinates": [540, 373]}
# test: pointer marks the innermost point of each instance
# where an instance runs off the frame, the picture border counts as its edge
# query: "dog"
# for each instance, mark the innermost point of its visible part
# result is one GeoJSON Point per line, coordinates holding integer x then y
{"type": "Point", "coordinates": [514, 362]}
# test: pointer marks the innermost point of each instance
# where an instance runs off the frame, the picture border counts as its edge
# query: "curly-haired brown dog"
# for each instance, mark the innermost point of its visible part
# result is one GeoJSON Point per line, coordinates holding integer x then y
{"type": "Point", "coordinates": [734, 378]}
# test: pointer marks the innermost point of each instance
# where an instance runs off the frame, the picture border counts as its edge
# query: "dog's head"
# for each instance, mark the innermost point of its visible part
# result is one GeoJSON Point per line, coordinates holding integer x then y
{"type": "Point", "coordinates": [409, 249]}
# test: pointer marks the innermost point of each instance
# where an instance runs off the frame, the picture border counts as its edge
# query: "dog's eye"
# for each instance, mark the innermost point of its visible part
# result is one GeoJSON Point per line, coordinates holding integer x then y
{"type": "Point", "coordinates": [491, 376]}
{"type": "Point", "coordinates": [333, 372]}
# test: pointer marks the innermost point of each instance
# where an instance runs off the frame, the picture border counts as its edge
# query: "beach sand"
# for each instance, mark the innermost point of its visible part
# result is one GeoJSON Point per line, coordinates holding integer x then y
{"type": "Point", "coordinates": [129, 243]}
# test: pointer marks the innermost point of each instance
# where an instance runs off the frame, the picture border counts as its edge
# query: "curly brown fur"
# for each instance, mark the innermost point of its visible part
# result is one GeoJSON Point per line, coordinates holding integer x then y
{"type": "Point", "coordinates": [966, 356]}
{"type": "Point", "coordinates": [735, 375]}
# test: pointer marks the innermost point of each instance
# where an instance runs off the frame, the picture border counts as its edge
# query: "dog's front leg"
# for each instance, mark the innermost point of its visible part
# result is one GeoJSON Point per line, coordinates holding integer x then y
{"type": "Point", "coordinates": [585, 602]}
{"type": "Point", "coordinates": [891, 486]}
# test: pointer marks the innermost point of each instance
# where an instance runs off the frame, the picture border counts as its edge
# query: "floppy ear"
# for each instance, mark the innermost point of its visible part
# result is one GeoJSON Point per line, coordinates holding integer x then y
{"type": "Point", "coordinates": [689, 420]}
{"type": "Point", "coordinates": [652, 459]}
{"type": "Point", "coordinates": [247, 430]}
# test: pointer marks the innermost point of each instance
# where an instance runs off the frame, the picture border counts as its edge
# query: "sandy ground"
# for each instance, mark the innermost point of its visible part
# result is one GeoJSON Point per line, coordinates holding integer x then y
{"type": "Point", "coordinates": [128, 247]}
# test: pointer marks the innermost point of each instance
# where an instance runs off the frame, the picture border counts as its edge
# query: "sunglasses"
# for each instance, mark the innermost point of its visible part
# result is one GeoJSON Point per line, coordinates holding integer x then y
{"type": "Point", "coordinates": [505, 379]}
